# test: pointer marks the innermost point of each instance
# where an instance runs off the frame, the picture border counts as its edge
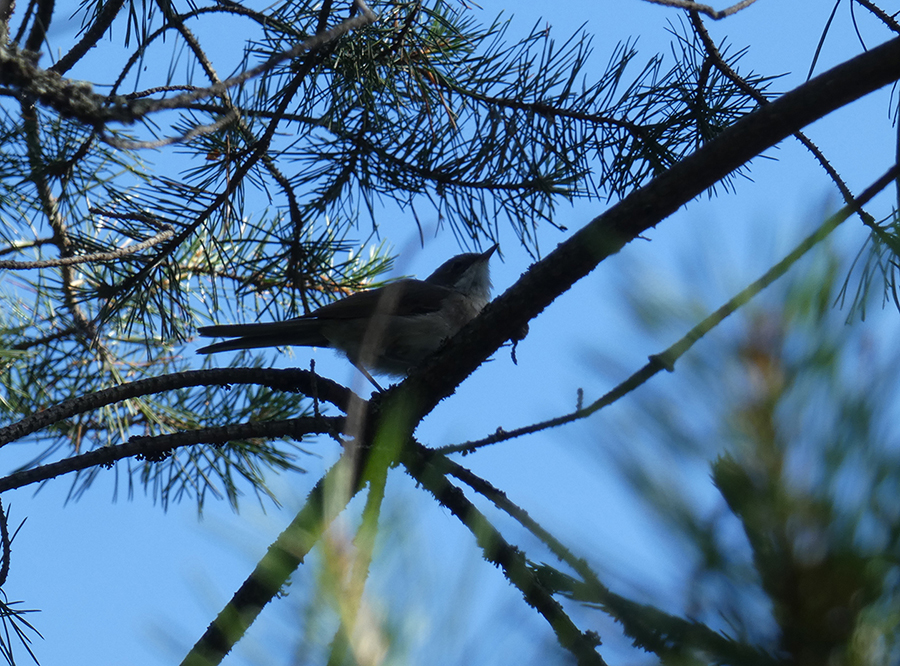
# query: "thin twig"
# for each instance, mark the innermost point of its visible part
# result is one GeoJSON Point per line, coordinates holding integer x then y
{"type": "Point", "coordinates": [705, 9]}
{"type": "Point", "coordinates": [19, 246]}
{"type": "Point", "coordinates": [152, 220]}
{"type": "Point", "coordinates": [761, 99]}
{"type": "Point", "coordinates": [817, 153]}
{"type": "Point", "coordinates": [198, 130]}
{"type": "Point", "coordinates": [312, 44]}
{"type": "Point", "coordinates": [158, 448]}
{"type": "Point", "coordinates": [885, 18]}
{"type": "Point", "coordinates": [294, 380]}
{"type": "Point", "coordinates": [97, 257]}
{"type": "Point", "coordinates": [495, 549]}
{"type": "Point", "coordinates": [164, 89]}
{"type": "Point", "coordinates": [666, 360]}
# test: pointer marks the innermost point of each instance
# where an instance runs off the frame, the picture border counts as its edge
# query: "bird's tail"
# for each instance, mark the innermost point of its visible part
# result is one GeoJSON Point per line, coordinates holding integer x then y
{"type": "Point", "coordinates": [301, 332]}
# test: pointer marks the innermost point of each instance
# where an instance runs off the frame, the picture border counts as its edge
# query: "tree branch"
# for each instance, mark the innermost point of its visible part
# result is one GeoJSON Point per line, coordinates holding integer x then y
{"type": "Point", "coordinates": [90, 38]}
{"type": "Point", "coordinates": [638, 212]}
{"type": "Point", "coordinates": [705, 9]}
{"type": "Point", "coordinates": [76, 99]}
{"type": "Point", "coordinates": [497, 550]}
{"type": "Point", "coordinates": [156, 449]}
{"type": "Point", "coordinates": [165, 234]}
{"type": "Point", "coordinates": [325, 501]}
{"type": "Point", "coordinates": [293, 380]}
{"type": "Point", "coordinates": [666, 359]}
{"type": "Point", "coordinates": [655, 635]}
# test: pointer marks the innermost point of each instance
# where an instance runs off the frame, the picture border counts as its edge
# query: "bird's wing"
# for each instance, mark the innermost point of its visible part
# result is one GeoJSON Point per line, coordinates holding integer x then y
{"type": "Point", "coordinates": [402, 298]}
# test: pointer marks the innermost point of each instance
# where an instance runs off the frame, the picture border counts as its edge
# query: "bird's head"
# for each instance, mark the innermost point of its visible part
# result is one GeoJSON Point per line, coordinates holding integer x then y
{"type": "Point", "coordinates": [468, 273]}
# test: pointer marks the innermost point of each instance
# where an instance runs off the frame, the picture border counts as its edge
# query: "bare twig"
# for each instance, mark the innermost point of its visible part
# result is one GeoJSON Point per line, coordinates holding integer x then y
{"type": "Point", "coordinates": [152, 220]}
{"type": "Point", "coordinates": [165, 89]}
{"type": "Point", "coordinates": [705, 9]}
{"type": "Point", "coordinates": [761, 99]}
{"type": "Point", "coordinates": [883, 16]}
{"type": "Point", "coordinates": [19, 246]}
{"type": "Point", "coordinates": [96, 257]}
{"type": "Point", "coordinates": [199, 130]}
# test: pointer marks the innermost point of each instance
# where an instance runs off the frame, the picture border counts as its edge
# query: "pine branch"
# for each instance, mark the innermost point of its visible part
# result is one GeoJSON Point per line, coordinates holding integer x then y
{"type": "Point", "coordinates": [291, 380]}
{"type": "Point", "coordinates": [643, 209]}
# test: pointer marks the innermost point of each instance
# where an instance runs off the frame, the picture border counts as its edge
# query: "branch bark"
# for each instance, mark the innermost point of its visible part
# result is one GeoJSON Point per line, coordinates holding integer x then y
{"type": "Point", "coordinates": [643, 209]}
{"type": "Point", "coordinates": [298, 381]}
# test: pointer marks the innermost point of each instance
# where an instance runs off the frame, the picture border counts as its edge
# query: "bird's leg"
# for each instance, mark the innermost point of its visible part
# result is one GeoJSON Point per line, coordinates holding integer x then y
{"type": "Point", "coordinates": [367, 376]}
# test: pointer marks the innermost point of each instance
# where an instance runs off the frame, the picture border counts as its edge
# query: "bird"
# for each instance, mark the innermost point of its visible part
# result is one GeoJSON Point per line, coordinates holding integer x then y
{"type": "Point", "coordinates": [388, 330]}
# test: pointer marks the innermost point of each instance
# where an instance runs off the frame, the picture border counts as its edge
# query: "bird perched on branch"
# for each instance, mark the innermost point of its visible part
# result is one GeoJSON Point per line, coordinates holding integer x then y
{"type": "Point", "coordinates": [389, 329]}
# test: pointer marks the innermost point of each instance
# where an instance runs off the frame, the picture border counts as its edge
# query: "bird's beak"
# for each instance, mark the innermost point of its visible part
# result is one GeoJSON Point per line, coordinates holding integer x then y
{"type": "Point", "coordinates": [487, 253]}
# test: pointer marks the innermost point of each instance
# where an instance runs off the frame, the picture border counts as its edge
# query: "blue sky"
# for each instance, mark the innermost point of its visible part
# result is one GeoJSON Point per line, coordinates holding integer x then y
{"type": "Point", "coordinates": [125, 583]}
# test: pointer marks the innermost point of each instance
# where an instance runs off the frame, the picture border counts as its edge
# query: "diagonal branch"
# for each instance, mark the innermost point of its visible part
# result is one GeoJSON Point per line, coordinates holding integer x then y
{"type": "Point", "coordinates": [90, 38]}
{"type": "Point", "coordinates": [666, 359]}
{"type": "Point", "coordinates": [76, 99]}
{"type": "Point", "coordinates": [498, 551]}
{"type": "Point", "coordinates": [634, 215]}
{"type": "Point", "coordinates": [884, 17]}
{"type": "Point", "coordinates": [284, 556]}
{"type": "Point", "coordinates": [655, 636]}
{"type": "Point", "coordinates": [401, 408]}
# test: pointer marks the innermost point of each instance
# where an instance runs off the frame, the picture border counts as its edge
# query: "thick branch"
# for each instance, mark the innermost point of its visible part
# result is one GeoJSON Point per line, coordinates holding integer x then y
{"type": "Point", "coordinates": [76, 99]}
{"type": "Point", "coordinates": [326, 500]}
{"type": "Point", "coordinates": [643, 209]}
{"type": "Point", "coordinates": [667, 358]}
